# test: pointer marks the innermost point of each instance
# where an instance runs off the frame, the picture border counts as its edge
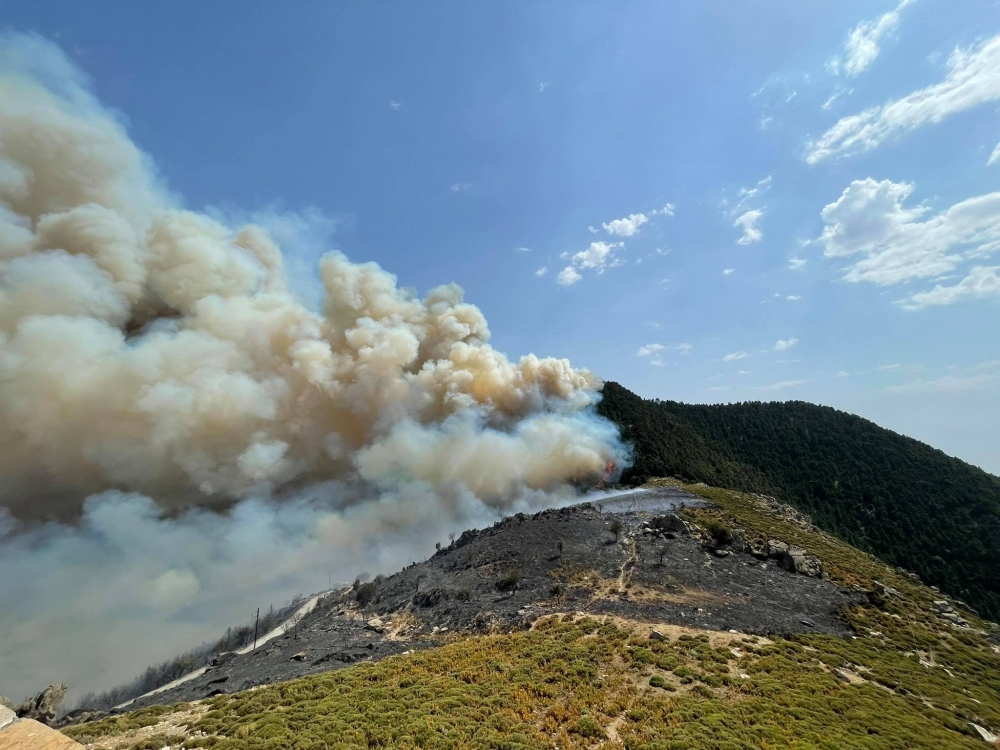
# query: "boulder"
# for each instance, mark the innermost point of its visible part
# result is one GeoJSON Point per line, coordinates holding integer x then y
{"type": "Point", "coordinates": [224, 658]}
{"type": "Point", "coordinates": [673, 523]}
{"type": "Point", "coordinates": [44, 706]}
{"type": "Point", "coordinates": [375, 624]}
{"type": "Point", "coordinates": [656, 635]}
{"type": "Point", "coordinates": [801, 562]}
{"type": "Point", "coordinates": [739, 541]}
{"type": "Point", "coordinates": [301, 656]}
{"type": "Point", "coordinates": [7, 716]}
{"type": "Point", "coordinates": [885, 591]}
{"type": "Point", "coordinates": [776, 548]}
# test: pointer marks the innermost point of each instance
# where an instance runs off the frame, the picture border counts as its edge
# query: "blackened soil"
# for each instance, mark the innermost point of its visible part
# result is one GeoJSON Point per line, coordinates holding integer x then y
{"type": "Point", "coordinates": [505, 577]}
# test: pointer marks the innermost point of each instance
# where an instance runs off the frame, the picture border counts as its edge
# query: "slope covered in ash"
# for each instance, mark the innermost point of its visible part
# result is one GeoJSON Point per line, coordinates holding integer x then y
{"type": "Point", "coordinates": [908, 503]}
{"type": "Point", "coordinates": [504, 577]}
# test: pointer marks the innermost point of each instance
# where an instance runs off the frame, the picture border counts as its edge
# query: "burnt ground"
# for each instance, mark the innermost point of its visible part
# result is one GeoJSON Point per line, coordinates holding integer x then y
{"type": "Point", "coordinates": [506, 576]}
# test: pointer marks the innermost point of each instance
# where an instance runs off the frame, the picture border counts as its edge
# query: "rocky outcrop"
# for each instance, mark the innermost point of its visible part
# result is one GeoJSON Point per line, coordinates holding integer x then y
{"type": "Point", "coordinates": [224, 658]}
{"type": "Point", "coordinates": [666, 527]}
{"type": "Point", "coordinates": [44, 706]}
{"type": "Point", "coordinates": [799, 561]}
{"type": "Point", "coordinates": [947, 612]}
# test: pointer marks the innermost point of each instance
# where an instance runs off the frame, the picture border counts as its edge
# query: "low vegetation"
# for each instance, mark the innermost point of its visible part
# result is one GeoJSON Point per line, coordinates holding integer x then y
{"type": "Point", "coordinates": [906, 679]}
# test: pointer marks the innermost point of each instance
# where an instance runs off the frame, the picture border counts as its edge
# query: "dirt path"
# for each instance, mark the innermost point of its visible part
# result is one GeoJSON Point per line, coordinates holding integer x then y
{"type": "Point", "coordinates": [626, 570]}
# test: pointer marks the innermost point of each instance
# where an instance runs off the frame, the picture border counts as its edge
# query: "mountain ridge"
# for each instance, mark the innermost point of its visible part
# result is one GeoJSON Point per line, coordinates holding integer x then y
{"type": "Point", "coordinates": [903, 500]}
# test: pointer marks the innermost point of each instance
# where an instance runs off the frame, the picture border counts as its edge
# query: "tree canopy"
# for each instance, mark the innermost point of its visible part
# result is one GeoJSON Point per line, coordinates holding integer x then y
{"type": "Point", "coordinates": [902, 500]}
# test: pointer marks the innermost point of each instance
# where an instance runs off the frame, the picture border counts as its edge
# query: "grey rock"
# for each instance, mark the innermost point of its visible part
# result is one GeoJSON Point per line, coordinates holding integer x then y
{"type": "Point", "coordinates": [776, 548]}
{"type": "Point", "coordinates": [885, 591]}
{"type": "Point", "coordinates": [301, 656]}
{"type": "Point", "coordinates": [224, 658]}
{"type": "Point", "coordinates": [673, 523]}
{"type": "Point", "coordinates": [656, 635]}
{"type": "Point", "coordinates": [376, 625]}
{"type": "Point", "coordinates": [739, 542]}
{"type": "Point", "coordinates": [803, 563]}
{"type": "Point", "coordinates": [44, 706]}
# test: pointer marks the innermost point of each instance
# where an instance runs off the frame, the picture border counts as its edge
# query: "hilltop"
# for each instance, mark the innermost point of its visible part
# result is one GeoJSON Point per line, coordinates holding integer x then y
{"type": "Point", "coordinates": [910, 504]}
{"type": "Point", "coordinates": [681, 617]}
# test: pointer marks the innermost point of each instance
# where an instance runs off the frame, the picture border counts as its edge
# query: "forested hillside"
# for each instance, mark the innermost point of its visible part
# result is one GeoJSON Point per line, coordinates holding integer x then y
{"type": "Point", "coordinates": [908, 503]}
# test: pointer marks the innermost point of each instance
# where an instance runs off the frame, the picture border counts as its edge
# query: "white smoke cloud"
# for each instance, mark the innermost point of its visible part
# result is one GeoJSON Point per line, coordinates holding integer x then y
{"type": "Point", "coordinates": [160, 361]}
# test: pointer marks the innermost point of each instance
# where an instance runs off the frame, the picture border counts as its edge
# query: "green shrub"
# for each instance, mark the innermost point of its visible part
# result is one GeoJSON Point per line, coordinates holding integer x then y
{"type": "Point", "coordinates": [587, 727]}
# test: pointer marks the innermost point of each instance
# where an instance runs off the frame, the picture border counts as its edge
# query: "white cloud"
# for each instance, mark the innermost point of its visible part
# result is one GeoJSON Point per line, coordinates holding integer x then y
{"type": "Point", "coordinates": [973, 78]}
{"type": "Point", "coordinates": [626, 227]}
{"type": "Point", "coordinates": [894, 366]}
{"type": "Point", "coordinates": [592, 230]}
{"type": "Point", "coordinates": [735, 356]}
{"type": "Point", "coordinates": [748, 223]}
{"type": "Point", "coordinates": [863, 42]}
{"type": "Point", "coordinates": [649, 349]}
{"type": "Point", "coordinates": [542, 271]}
{"type": "Point", "coordinates": [395, 105]}
{"type": "Point", "coordinates": [982, 281]}
{"type": "Point", "coordinates": [834, 97]}
{"type": "Point", "coordinates": [728, 271]}
{"type": "Point", "coordinates": [995, 156]}
{"type": "Point", "coordinates": [746, 194]}
{"type": "Point", "coordinates": [542, 87]}
{"type": "Point", "coordinates": [522, 249]}
{"type": "Point", "coordinates": [667, 210]}
{"type": "Point", "coordinates": [785, 344]}
{"type": "Point", "coordinates": [743, 372]}
{"type": "Point", "coordinates": [597, 257]}
{"type": "Point", "coordinates": [656, 362]}
{"type": "Point", "coordinates": [793, 298]}
{"type": "Point", "coordinates": [568, 276]}
{"type": "Point", "coordinates": [797, 264]}
{"type": "Point", "coordinates": [842, 374]}
{"type": "Point", "coordinates": [946, 384]}
{"type": "Point", "coordinates": [459, 187]}
{"type": "Point", "coordinates": [780, 386]}
{"type": "Point", "coordinates": [899, 243]}
{"type": "Point", "coordinates": [684, 348]}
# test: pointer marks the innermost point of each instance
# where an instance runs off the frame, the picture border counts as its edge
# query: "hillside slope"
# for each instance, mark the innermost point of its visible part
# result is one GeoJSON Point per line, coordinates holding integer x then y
{"type": "Point", "coordinates": [611, 634]}
{"type": "Point", "coordinates": [908, 503]}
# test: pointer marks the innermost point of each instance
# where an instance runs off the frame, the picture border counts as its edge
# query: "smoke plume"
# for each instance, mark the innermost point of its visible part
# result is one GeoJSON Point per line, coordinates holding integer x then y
{"type": "Point", "coordinates": [183, 438]}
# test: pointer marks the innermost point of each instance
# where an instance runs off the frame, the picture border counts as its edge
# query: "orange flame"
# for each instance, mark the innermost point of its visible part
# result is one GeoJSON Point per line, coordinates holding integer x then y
{"type": "Point", "coordinates": [603, 481]}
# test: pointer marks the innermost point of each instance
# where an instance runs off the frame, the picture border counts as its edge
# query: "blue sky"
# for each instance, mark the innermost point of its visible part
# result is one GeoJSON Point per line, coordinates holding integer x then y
{"type": "Point", "coordinates": [743, 201]}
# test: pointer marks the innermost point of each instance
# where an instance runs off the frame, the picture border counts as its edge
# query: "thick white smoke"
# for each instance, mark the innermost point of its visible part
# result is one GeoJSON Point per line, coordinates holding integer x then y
{"type": "Point", "coordinates": [154, 363]}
